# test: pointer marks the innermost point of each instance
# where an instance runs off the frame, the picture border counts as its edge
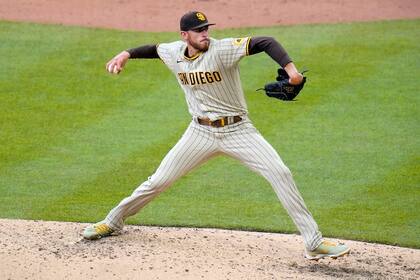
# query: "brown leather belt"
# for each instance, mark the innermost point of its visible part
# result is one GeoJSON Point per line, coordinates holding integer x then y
{"type": "Point", "coordinates": [220, 122]}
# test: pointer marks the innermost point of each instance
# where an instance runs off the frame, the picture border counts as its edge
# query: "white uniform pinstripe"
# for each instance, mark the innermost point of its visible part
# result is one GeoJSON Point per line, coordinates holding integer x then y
{"type": "Point", "coordinates": [214, 94]}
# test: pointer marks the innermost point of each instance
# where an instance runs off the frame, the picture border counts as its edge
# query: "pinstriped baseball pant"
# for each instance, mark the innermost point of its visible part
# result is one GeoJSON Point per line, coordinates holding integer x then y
{"type": "Point", "coordinates": [240, 141]}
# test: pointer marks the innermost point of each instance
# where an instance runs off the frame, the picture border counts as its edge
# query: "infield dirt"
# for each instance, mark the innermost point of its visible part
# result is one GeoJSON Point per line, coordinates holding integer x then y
{"type": "Point", "coordinates": [159, 15]}
{"type": "Point", "coordinates": [55, 250]}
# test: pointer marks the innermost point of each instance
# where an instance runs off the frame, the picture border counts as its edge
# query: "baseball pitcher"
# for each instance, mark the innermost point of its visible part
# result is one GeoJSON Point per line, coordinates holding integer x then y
{"type": "Point", "coordinates": [207, 70]}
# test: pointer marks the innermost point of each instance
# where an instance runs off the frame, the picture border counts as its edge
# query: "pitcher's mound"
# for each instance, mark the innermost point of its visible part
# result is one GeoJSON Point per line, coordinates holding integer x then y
{"type": "Point", "coordinates": [56, 250]}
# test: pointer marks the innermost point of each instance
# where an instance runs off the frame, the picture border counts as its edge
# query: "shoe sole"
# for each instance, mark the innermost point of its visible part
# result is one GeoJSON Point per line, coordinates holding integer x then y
{"type": "Point", "coordinates": [322, 256]}
{"type": "Point", "coordinates": [99, 236]}
{"type": "Point", "coordinates": [95, 237]}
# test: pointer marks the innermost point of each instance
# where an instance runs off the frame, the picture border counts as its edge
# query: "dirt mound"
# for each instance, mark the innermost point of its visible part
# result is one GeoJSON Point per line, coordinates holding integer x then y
{"type": "Point", "coordinates": [56, 250]}
{"type": "Point", "coordinates": [158, 15]}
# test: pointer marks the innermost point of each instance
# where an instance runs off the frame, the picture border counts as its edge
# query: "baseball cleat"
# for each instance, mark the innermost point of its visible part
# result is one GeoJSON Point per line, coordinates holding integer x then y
{"type": "Point", "coordinates": [97, 231]}
{"type": "Point", "coordinates": [328, 249]}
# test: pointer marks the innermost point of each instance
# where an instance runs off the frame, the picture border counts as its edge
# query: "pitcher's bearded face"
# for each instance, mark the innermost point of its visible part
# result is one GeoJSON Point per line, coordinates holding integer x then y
{"type": "Point", "coordinates": [202, 45]}
{"type": "Point", "coordinates": [198, 38]}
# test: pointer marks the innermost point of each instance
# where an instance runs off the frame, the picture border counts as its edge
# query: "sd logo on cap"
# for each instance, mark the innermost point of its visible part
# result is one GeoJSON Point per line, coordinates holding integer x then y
{"type": "Point", "coordinates": [193, 20]}
{"type": "Point", "coordinates": [200, 16]}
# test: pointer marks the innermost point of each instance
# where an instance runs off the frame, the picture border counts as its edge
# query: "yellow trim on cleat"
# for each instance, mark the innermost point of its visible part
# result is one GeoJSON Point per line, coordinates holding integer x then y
{"type": "Point", "coordinates": [97, 231]}
{"type": "Point", "coordinates": [328, 249]}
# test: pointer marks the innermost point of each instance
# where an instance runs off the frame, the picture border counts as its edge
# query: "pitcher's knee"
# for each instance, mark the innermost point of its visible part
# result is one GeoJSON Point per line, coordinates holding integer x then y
{"type": "Point", "coordinates": [152, 187]}
{"type": "Point", "coordinates": [283, 172]}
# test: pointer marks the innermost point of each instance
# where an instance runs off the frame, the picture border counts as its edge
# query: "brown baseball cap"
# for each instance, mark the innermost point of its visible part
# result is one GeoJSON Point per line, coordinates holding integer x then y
{"type": "Point", "coordinates": [193, 20]}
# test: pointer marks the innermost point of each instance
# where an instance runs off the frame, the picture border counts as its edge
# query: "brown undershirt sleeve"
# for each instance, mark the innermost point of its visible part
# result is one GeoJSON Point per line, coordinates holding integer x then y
{"type": "Point", "coordinates": [146, 51]}
{"type": "Point", "coordinates": [271, 47]}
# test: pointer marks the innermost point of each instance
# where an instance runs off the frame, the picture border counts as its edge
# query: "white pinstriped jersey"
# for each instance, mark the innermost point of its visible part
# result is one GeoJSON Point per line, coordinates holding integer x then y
{"type": "Point", "coordinates": [210, 80]}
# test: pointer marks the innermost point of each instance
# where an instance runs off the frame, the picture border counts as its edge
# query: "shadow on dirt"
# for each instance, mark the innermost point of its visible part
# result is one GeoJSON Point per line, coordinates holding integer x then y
{"type": "Point", "coordinates": [338, 272]}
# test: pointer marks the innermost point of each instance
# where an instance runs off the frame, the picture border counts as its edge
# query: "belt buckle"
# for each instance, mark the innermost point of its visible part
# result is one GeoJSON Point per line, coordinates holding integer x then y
{"type": "Point", "coordinates": [218, 123]}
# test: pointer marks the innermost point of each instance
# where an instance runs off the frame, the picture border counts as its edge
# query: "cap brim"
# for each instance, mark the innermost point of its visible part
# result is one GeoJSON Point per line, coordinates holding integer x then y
{"type": "Point", "coordinates": [202, 25]}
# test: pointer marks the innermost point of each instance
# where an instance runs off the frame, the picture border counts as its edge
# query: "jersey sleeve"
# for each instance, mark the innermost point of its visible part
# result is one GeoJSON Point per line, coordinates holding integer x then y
{"type": "Point", "coordinates": [169, 52]}
{"type": "Point", "coordinates": [232, 50]}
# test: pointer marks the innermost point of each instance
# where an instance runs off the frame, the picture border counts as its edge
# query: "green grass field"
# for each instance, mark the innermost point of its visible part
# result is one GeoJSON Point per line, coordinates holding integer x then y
{"type": "Point", "coordinates": [75, 140]}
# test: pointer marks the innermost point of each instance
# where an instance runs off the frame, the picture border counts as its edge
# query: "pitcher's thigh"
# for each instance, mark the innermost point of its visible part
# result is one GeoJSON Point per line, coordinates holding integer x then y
{"type": "Point", "coordinates": [192, 149]}
{"type": "Point", "coordinates": [250, 148]}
